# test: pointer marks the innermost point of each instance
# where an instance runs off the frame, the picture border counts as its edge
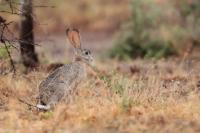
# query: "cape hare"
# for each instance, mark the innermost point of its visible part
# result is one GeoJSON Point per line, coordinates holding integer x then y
{"type": "Point", "coordinates": [62, 82]}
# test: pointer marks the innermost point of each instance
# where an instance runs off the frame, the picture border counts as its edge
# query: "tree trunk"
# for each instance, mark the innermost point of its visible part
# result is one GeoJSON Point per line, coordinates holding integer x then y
{"type": "Point", "coordinates": [28, 55]}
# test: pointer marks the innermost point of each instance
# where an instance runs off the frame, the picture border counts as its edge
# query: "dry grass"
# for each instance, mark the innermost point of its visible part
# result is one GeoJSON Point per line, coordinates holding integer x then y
{"type": "Point", "coordinates": [139, 96]}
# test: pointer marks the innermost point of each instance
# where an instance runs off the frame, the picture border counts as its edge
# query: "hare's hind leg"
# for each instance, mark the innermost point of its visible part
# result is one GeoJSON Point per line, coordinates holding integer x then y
{"type": "Point", "coordinates": [70, 96]}
{"type": "Point", "coordinates": [54, 99]}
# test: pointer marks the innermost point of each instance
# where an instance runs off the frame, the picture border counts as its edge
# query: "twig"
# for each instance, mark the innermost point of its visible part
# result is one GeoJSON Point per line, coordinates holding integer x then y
{"type": "Point", "coordinates": [2, 39]}
{"type": "Point", "coordinates": [11, 44]}
{"type": "Point", "coordinates": [18, 3]}
{"type": "Point", "coordinates": [11, 7]}
{"type": "Point", "coordinates": [14, 13]}
{"type": "Point", "coordinates": [11, 60]}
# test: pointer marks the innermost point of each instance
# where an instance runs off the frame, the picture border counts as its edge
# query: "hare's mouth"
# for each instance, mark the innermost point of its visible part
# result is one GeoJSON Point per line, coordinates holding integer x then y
{"type": "Point", "coordinates": [89, 61]}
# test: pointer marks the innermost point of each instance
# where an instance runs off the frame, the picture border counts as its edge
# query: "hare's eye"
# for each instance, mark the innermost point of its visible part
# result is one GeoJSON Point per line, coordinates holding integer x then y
{"type": "Point", "coordinates": [86, 52]}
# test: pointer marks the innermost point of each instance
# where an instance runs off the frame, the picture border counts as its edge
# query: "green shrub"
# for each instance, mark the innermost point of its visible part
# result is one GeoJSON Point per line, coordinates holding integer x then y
{"type": "Point", "coordinates": [125, 48]}
{"type": "Point", "coordinates": [129, 49]}
{"type": "Point", "coordinates": [156, 49]}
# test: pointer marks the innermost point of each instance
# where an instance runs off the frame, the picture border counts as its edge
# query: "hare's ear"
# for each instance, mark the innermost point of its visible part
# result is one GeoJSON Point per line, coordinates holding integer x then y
{"type": "Point", "coordinates": [74, 37]}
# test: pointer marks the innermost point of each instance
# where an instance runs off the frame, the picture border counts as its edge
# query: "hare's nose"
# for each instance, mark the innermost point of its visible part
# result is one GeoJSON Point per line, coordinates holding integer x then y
{"type": "Point", "coordinates": [91, 59]}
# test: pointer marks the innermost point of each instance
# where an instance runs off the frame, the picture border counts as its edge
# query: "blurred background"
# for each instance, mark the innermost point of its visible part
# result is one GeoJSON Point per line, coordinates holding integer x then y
{"type": "Point", "coordinates": [120, 29]}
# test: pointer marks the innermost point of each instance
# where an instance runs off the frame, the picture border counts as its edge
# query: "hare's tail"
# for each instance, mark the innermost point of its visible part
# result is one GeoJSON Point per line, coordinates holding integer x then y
{"type": "Point", "coordinates": [43, 107]}
{"type": "Point", "coordinates": [38, 106]}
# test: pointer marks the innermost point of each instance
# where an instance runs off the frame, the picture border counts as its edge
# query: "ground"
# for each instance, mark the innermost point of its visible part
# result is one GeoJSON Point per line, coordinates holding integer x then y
{"type": "Point", "coordinates": [133, 96]}
{"type": "Point", "coordinates": [138, 95]}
